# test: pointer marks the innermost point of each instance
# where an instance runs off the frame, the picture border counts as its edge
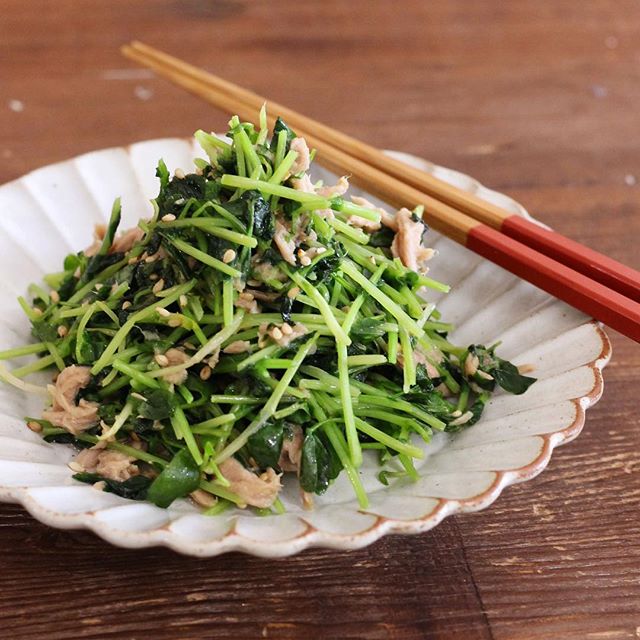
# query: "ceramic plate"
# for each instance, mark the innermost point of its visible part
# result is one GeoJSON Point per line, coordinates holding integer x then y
{"type": "Point", "coordinates": [52, 211]}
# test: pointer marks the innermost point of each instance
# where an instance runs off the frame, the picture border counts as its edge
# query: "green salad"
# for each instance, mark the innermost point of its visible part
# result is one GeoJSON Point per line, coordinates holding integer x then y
{"type": "Point", "coordinates": [258, 323]}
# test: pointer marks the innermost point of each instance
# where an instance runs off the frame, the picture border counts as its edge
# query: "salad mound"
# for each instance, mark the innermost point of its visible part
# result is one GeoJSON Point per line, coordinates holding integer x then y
{"type": "Point", "coordinates": [258, 323]}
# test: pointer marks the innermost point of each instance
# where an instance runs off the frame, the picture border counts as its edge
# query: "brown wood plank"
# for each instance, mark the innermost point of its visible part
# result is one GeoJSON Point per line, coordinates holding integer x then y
{"type": "Point", "coordinates": [537, 98]}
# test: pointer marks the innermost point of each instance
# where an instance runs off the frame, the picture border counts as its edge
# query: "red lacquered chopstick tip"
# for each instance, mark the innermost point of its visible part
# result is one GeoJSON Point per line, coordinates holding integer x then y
{"type": "Point", "coordinates": [601, 268]}
{"type": "Point", "coordinates": [614, 309]}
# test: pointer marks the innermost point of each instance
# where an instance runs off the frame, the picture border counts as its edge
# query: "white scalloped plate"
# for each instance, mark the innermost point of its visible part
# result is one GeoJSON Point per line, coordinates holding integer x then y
{"type": "Point", "coordinates": [52, 211]}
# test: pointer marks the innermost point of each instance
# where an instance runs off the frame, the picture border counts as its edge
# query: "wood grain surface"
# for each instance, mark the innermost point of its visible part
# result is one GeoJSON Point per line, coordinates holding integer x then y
{"type": "Point", "coordinates": [537, 98]}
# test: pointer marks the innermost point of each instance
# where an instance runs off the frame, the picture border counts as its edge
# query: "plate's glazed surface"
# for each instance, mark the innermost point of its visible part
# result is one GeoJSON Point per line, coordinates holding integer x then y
{"type": "Point", "coordinates": [52, 211]}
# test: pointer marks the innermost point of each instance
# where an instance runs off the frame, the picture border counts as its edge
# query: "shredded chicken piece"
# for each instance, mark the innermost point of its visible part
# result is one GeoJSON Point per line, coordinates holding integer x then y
{"type": "Point", "coordinates": [264, 295]}
{"type": "Point", "coordinates": [286, 247]}
{"type": "Point", "coordinates": [113, 465]}
{"type": "Point", "coordinates": [239, 346]}
{"type": "Point", "coordinates": [301, 163]}
{"type": "Point", "coordinates": [174, 357]}
{"type": "Point", "coordinates": [249, 304]}
{"type": "Point", "coordinates": [358, 221]}
{"type": "Point", "coordinates": [203, 498]}
{"type": "Point", "coordinates": [257, 491]}
{"type": "Point", "coordinates": [420, 358]}
{"type": "Point", "coordinates": [339, 189]}
{"type": "Point", "coordinates": [303, 184]}
{"type": "Point", "coordinates": [407, 244]}
{"type": "Point", "coordinates": [64, 411]}
{"type": "Point", "coordinates": [284, 337]}
{"type": "Point", "coordinates": [125, 241]}
{"type": "Point", "coordinates": [98, 234]}
{"type": "Point", "coordinates": [291, 451]}
{"type": "Point", "coordinates": [265, 271]}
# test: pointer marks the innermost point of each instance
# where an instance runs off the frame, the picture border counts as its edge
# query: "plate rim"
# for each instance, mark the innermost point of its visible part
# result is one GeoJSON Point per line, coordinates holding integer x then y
{"type": "Point", "coordinates": [311, 536]}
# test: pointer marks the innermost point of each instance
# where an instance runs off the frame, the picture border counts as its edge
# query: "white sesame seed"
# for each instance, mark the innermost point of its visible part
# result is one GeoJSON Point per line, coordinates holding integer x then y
{"type": "Point", "coordinates": [126, 304]}
{"type": "Point", "coordinates": [320, 250]}
{"type": "Point", "coordinates": [305, 260]}
{"type": "Point", "coordinates": [245, 295]}
{"type": "Point", "coordinates": [158, 286]}
{"type": "Point", "coordinates": [55, 297]}
{"type": "Point", "coordinates": [163, 312]}
{"type": "Point", "coordinates": [182, 301]}
{"type": "Point", "coordinates": [286, 329]}
{"type": "Point", "coordinates": [169, 217]}
{"type": "Point", "coordinates": [293, 292]}
{"type": "Point", "coordinates": [152, 258]}
{"type": "Point", "coordinates": [228, 256]}
{"type": "Point", "coordinates": [100, 485]}
{"type": "Point", "coordinates": [276, 334]}
{"type": "Point", "coordinates": [161, 359]}
{"type": "Point", "coordinates": [62, 331]}
{"type": "Point", "coordinates": [175, 321]}
{"type": "Point", "coordinates": [205, 373]}
{"type": "Point", "coordinates": [179, 173]}
{"type": "Point", "coordinates": [37, 311]}
{"type": "Point", "coordinates": [36, 427]}
{"type": "Point", "coordinates": [138, 396]}
{"type": "Point", "coordinates": [74, 466]}
{"type": "Point", "coordinates": [132, 260]}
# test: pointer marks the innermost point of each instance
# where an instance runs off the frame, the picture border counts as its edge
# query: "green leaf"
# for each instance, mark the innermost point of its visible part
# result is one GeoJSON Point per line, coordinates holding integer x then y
{"type": "Point", "coordinates": [112, 227]}
{"type": "Point", "coordinates": [510, 379]}
{"type": "Point", "coordinates": [44, 331]}
{"type": "Point", "coordinates": [505, 374]}
{"type": "Point", "coordinates": [160, 405]}
{"type": "Point", "coordinates": [279, 126]}
{"type": "Point", "coordinates": [178, 479]}
{"type": "Point", "coordinates": [319, 464]}
{"type": "Point", "coordinates": [135, 488]}
{"type": "Point", "coordinates": [265, 445]}
{"type": "Point", "coordinates": [367, 329]}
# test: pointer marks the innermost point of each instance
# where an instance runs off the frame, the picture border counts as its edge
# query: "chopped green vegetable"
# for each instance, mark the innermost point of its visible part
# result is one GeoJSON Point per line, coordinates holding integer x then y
{"type": "Point", "coordinates": [257, 323]}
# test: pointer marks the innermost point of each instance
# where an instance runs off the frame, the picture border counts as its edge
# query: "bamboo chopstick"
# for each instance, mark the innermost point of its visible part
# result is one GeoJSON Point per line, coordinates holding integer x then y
{"type": "Point", "coordinates": [597, 266]}
{"type": "Point", "coordinates": [560, 280]}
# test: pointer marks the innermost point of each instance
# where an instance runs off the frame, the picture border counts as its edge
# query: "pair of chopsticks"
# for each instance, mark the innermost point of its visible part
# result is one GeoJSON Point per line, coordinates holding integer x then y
{"type": "Point", "coordinates": [582, 277]}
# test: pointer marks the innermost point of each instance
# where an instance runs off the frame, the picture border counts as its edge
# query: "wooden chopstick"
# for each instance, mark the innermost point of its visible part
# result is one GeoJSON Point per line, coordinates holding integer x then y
{"type": "Point", "coordinates": [560, 280]}
{"type": "Point", "coordinates": [593, 264]}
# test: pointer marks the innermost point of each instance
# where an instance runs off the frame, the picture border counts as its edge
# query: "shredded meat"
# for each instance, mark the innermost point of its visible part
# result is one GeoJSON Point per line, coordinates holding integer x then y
{"type": "Point", "coordinates": [301, 163]}
{"type": "Point", "coordinates": [338, 189]}
{"type": "Point", "coordinates": [303, 184]}
{"type": "Point", "coordinates": [407, 244]}
{"type": "Point", "coordinates": [291, 451]}
{"type": "Point", "coordinates": [286, 247]}
{"type": "Point", "coordinates": [125, 241]}
{"type": "Point", "coordinates": [239, 346]}
{"type": "Point", "coordinates": [287, 333]}
{"type": "Point", "coordinates": [65, 412]}
{"type": "Point", "coordinates": [266, 271]}
{"type": "Point", "coordinates": [358, 221]}
{"type": "Point", "coordinates": [176, 356]}
{"type": "Point", "coordinates": [108, 464]}
{"type": "Point", "coordinates": [257, 491]}
{"type": "Point", "coordinates": [249, 304]}
{"type": "Point", "coordinates": [420, 358]}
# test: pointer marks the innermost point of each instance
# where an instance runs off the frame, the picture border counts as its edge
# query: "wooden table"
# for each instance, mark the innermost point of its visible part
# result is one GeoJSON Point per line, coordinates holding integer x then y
{"type": "Point", "coordinates": [535, 98]}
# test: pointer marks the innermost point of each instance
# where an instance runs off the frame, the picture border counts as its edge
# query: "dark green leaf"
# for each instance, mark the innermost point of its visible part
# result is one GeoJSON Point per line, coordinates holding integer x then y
{"type": "Point", "coordinates": [178, 479]}
{"type": "Point", "coordinates": [317, 467]}
{"type": "Point", "coordinates": [135, 488]}
{"type": "Point", "coordinates": [159, 405]}
{"type": "Point", "coordinates": [265, 445]}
